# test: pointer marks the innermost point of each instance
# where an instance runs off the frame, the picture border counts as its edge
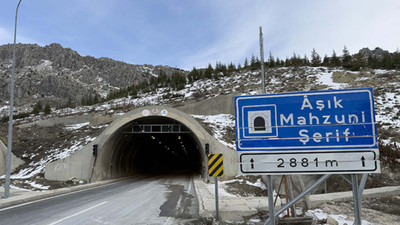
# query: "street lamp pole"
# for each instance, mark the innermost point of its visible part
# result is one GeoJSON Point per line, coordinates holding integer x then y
{"type": "Point", "coordinates": [10, 121]}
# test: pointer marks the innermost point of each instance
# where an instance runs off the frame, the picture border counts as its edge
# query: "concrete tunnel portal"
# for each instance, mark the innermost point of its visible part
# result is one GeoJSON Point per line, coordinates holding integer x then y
{"type": "Point", "coordinates": [155, 145]}
{"type": "Point", "coordinates": [147, 140]}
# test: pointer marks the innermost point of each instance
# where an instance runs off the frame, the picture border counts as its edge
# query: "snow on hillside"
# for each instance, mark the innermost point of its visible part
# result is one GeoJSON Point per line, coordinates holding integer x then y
{"type": "Point", "coordinates": [386, 92]}
{"type": "Point", "coordinates": [278, 80]}
{"type": "Point", "coordinates": [63, 149]}
{"type": "Point", "coordinates": [219, 124]}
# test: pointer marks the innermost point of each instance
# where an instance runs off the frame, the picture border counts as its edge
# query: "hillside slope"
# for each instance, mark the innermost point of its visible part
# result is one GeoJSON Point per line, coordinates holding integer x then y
{"type": "Point", "coordinates": [59, 76]}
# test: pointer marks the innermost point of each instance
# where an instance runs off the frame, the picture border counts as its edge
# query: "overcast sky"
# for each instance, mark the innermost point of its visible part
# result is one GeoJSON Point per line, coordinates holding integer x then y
{"type": "Point", "coordinates": [187, 33]}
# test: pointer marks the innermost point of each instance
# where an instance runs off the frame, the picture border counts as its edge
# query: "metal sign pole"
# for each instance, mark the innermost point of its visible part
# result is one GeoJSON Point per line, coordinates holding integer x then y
{"type": "Point", "coordinates": [361, 187]}
{"type": "Point", "coordinates": [357, 206]}
{"type": "Point", "coordinates": [215, 169]}
{"type": "Point", "coordinates": [216, 198]}
{"type": "Point", "coordinates": [269, 177]}
{"type": "Point", "coordinates": [270, 200]}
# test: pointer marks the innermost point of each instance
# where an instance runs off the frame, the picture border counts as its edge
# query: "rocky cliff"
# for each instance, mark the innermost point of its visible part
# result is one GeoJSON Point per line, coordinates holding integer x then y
{"type": "Point", "coordinates": [59, 75]}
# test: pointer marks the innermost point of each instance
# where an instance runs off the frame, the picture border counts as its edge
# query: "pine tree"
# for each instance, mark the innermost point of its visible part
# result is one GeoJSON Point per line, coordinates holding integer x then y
{"type": "Point", "coordinates": [37, 108]}
{"type": "Point", "coordinates": [315, 58]}
{"type": "Point", "coordinates": [271, 61]}
{"type": "Point", "coordinates": [178, 81]}
{"type": "Point", "coordinates": [254, 63]}
{"type": "Point", "coordinates": [346, 58]}
{"type": "Point", "coordinates": [288, 62]}
{"type": "Point", "coordinates": [396, 59]}
{"type": "Point", "coordinates": [306, 62]}
{"type": "Point", "coordinates": [231, 69]}
{"type": "Point", "coordinates": [246, 64]}
{"type": "Point", "coordinates": [356, 63]}
{"type": "Point", "coordinates": [47, 109]}
{"type": "Point", "coordinates": [96, 99]}
{"type": "Point", "coordinates": [387, 61]}
{"type": "Point", "coordinates": [192, 74]}
{"type": "Point", "coordinates": [153, 81]}
{"type": "Point", "coordinates": [89, 100]}
{"type": "Point", "coordinates": [208, 72]}
{"type": "Point", "coordinates": [335, 61]}
{"type": "Point", "coordinates": [220, 68]}
{"type": "Point", "coordinates": [325, 62]}
{"type": "Point", "coordinates": [296, 60]}
{"type": "Point", "coordinates": [279, 63]}
{"type": "Point", "coordinates": [70, 103]}
{"type": "Point", "coordinates": [109, 97]}
{"type": "Point", "coordinates": [359, 61]}
{"type": "Point", "coordinates": [133, 91]}
{"type": "Point", "coordinates": [162, 79]}
{"type": "Point", "coordinates": [373, 62]}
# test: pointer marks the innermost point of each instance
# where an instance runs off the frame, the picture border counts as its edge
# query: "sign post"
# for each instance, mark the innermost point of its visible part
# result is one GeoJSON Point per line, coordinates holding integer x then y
{"type": "Point", "coordinates": [269, 178]}
{"type": "Point", "coordinates": [216, 169]}
{"type": "Point", "coordinates": [319, 132]}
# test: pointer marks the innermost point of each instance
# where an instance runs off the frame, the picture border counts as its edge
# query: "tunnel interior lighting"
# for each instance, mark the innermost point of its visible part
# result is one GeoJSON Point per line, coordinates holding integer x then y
{"type": "Point", "coordinates": [159, 140]}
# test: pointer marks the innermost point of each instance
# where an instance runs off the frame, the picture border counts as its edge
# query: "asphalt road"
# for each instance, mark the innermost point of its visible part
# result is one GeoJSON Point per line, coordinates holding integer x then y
{"type": "Point", "coordinates": [137, 200]}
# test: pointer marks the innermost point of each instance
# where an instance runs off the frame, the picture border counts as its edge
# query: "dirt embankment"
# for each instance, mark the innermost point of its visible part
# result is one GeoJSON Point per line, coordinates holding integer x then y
{"type": "Point", "coordinates": [36, 143]}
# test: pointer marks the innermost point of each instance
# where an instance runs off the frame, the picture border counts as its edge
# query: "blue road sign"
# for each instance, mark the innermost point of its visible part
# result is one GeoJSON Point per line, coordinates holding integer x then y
{"type": "Point", "coordinates": [304, 122]}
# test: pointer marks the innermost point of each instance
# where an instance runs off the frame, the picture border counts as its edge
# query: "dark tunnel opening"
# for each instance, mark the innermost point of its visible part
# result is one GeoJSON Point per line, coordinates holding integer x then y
{"type": "Point", "coordinates": [156, 145]}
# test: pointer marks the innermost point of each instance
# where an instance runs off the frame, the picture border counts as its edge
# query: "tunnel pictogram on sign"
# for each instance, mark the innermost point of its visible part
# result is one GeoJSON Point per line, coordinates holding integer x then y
{"type": "Point", "coordinates": [215, 165]}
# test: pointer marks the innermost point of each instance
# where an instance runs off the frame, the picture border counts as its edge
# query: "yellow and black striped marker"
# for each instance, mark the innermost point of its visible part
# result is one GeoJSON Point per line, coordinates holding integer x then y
{"type": "Point", "coordinates": [215, 165]}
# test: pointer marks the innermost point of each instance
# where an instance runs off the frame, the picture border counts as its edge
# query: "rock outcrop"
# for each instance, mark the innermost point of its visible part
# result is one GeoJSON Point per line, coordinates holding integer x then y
{"type": "Point", "coordinates": [61, 75]}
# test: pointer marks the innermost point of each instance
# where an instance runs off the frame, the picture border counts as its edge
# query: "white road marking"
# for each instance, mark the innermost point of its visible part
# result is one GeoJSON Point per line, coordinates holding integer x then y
{"type": "Point", "coordinates": [190, 185]}
{"type": "Point", "coordinates": [143, 188]}
{"type": "Point", "coordinates": [78, 213]}
{"type": "Point", "coordinates": [55, 196]}
{"type": "Point", "coordinates": [138, 189]}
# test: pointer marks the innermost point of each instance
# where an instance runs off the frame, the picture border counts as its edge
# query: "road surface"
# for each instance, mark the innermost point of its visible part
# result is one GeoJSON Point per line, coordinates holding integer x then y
{"type": "Point", "coordinates": [137, 200]}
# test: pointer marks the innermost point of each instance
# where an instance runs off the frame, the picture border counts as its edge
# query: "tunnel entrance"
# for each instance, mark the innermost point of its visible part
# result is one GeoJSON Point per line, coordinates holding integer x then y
{"type": "Point", "coordinates": [155, 145]}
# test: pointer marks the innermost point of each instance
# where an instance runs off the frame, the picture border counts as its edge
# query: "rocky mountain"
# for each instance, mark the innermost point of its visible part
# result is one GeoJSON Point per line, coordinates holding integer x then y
{"type": "Point", "coordinates": [56, 75]}
{"type": "Point", "coordinates": [376, 53]}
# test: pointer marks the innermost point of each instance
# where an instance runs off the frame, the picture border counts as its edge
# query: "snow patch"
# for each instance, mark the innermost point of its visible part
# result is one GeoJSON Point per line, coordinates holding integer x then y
{"type": "Point", "coordinates": [219, 123]}
{"type": "Point", "coordinates": [326, 79]}
{"type": "Point", "coordinates": [76, 126]}
{"type": "Point", "coordinates": [341, 219]}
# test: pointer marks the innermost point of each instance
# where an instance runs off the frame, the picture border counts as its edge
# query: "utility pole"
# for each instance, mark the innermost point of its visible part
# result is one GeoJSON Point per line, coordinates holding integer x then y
{"type": "Point", "coordinates": [269, 177]}
{"type": "Point", "coordinates": [262, 61]}
{"type": "Point", "coordinates": [10, 121]}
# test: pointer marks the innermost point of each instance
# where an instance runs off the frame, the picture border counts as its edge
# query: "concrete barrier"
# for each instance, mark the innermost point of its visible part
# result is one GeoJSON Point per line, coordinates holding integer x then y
{"type": "Point", "coordinates": [15, 161]}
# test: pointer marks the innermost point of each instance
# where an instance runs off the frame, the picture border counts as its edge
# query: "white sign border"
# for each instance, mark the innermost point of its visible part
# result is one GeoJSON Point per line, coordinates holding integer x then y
{"type": "Point", "coordinates": [310, 147]}
{"type": "Point", "coordinates": [343, 171]}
